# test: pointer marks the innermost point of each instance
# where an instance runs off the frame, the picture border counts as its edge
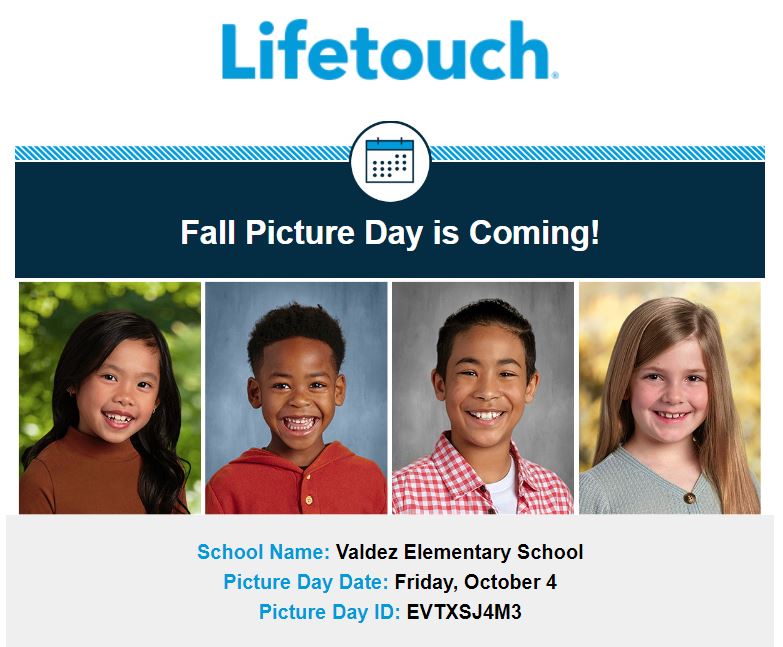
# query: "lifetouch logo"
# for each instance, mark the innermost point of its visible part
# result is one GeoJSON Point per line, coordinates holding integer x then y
{"type": "Point", "coordinates": [399, 59]}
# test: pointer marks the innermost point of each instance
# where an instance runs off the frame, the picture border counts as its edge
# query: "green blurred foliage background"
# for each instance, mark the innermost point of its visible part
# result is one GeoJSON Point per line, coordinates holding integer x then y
{"type": "Point", "coordinates": [604, 306]}
{"type": "Point", "coordinates": [49, 312]}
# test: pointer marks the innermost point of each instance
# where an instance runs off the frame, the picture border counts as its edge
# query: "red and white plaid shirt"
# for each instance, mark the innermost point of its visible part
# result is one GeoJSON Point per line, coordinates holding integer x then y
{"type": "Point", "coordinates": [445, 483]}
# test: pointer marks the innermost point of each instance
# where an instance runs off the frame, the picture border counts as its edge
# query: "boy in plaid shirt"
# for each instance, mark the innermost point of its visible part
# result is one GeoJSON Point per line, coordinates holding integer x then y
{"type": "Point", "coordinates": [486, 375]}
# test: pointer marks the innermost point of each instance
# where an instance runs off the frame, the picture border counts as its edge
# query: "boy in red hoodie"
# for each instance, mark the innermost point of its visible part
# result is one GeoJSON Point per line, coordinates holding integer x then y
{"type": "Point", "coordinates": [295, 353]}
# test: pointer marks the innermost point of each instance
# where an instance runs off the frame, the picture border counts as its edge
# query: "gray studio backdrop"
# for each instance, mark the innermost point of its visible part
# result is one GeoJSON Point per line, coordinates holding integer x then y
{"type": "Point", "coordinates": [545, 434]}
{"type": "Point", "coordinates": [232, 425]}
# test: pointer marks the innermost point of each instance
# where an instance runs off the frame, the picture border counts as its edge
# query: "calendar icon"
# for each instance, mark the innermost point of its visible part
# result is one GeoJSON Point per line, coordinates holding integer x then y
{"type": "Point", "coordinates": [383, 157]}
{"type": "Point", "coordinates": [389, 160]}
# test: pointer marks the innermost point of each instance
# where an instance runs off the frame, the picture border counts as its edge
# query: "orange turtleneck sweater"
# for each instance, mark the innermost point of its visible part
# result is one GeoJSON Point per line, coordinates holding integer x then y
{"type": "Point", "coordinates": [81, 474]}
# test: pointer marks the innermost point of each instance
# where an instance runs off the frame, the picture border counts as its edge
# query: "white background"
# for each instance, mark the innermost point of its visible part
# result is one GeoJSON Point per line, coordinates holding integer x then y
{"type": "Point", "coordinates": [702, 73]}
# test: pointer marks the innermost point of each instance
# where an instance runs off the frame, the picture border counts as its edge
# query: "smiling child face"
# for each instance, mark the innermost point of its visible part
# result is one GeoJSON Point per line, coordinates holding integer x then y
{"type": "Point", "coordinates": [669, 395]}
{"type": "Point", "coordinates": [118, 398]}
{"type": "Point", "coordinates": [297, 387]}
{"type": "Point", "coordinates": [485, 387]}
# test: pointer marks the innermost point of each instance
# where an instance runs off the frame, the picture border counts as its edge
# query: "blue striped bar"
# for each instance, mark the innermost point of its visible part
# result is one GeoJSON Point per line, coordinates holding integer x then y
{"type": "Point", "coordinates": [342, 153]}
{"type": "Point", "coordinates": [183, 153]}
{"type": "Point", "coordinates": [598, 153]}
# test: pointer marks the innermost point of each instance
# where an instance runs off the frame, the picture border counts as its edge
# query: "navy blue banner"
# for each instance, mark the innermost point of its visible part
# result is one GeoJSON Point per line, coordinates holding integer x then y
{"type": "Point", "coordinates": [470, 219]}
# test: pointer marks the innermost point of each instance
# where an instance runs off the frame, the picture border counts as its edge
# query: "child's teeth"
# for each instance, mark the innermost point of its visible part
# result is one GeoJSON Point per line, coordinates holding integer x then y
{"type": "Point", "coordinates": [117, 418]}
{"type": "Point", "coordinates": [485, 415]}
{"type": "Point", "coordinates": [300, 423]}
{"type": "Point", "coordinates": [671, 415]}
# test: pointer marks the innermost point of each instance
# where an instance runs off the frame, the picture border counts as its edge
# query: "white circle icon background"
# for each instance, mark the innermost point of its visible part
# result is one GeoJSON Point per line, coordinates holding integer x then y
{"type": "Point", "coordinates": [390, 161]}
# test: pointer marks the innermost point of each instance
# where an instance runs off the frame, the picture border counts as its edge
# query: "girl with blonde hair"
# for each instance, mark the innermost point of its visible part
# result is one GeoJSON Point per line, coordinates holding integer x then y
{"type": "Point", "coordinates": [670, 438]}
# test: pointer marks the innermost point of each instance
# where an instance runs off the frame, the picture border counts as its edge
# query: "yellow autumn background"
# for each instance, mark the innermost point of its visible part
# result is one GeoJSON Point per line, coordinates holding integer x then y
{"type": "Point", "coordinates": [604, 306]}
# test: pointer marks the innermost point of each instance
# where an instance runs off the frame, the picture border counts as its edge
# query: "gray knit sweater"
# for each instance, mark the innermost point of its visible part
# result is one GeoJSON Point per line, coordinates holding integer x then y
{"type": "Point", "coordinates": [620, 484]}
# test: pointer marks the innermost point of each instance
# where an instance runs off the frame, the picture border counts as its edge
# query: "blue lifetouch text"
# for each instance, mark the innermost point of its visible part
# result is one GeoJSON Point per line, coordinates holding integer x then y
{"type": "Point", "coordinates": [401, 59]}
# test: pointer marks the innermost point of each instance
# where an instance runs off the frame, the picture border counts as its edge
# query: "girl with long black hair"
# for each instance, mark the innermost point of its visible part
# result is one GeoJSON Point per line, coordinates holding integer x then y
{"type": "Point", "coordinates": [116, 412]}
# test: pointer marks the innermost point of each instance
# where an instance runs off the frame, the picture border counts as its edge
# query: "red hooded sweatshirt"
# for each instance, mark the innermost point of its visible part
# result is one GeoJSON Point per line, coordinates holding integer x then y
{"type": "Point", "coordinates": [260, 482]}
